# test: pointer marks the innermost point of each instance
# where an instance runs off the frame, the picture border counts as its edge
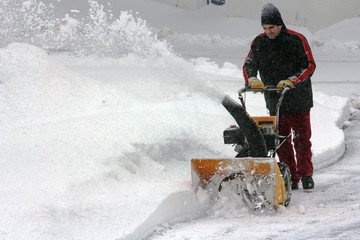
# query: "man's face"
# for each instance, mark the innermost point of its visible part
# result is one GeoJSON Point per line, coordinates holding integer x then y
{"type": "Point", "coordinates": [272, 31]}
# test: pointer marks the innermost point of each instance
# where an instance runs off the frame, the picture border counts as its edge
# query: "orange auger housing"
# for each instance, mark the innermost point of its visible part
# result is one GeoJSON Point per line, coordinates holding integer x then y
{"type": "Point", "coordinates": [265, 170]}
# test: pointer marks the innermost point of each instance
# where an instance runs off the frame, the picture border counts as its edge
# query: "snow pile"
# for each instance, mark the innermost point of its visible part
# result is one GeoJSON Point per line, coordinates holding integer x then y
{"type": "Point", "coordinates": [75, 147]}
{"type": "Point", "coordinates": [38, 91]}
{"type": "Point", "coordinates": [98, 33]}
{"type": "Point", "coordinates": [328, 115]}
{"type": "Point", "coordinates": [346, 37]}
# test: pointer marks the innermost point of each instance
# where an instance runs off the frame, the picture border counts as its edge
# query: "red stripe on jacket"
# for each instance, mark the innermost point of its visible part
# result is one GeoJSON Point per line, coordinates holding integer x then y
{"type": "Point", "coordinates": [244, 72]}
{"type": "Point", "coordinates": [246, 77]}
{"type": "Point", "coordinates": [308, 52]}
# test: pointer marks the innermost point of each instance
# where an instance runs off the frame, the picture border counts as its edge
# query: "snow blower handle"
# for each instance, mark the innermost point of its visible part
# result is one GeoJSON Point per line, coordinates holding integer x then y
{"type": "Point", "coordinates": [268, 88]}
{"type": "Point", "coordinates": [278, 105]}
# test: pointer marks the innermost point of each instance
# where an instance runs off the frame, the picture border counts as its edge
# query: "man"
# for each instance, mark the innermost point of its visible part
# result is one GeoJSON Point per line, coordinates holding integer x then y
{"type": "Point", "coordinates": [283, 58]}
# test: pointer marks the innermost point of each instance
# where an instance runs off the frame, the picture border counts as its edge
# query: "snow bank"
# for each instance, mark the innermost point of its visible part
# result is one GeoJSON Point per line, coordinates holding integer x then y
{"type": "Point", "coordinates": [347, 36]}
{"type": "Point", "coordinates": [177, 207]}
{"type": "Point", "coordinates": [36, 90]}
{"type": "Point", "coordinates": [74, 147]}
{"type": "Point", "coordinates": [98, 33]}
{"type": "Point", "coordinates": [328, 139]}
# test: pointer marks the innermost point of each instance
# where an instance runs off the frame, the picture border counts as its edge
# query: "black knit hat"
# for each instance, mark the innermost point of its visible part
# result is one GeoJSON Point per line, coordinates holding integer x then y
{"type": "Point", "coordinates": [271, 15]}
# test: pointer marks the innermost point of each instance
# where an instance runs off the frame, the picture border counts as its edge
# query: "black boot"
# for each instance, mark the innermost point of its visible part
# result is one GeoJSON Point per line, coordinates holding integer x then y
{"type": "Point", "coordinates": [294, 186]}
{"type": "Point", "coordinates": [308, 183]}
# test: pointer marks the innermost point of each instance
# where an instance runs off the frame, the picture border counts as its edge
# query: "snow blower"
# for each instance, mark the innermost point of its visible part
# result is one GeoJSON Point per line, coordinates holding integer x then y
{"type": "Point", "coordinates": [259, 180]}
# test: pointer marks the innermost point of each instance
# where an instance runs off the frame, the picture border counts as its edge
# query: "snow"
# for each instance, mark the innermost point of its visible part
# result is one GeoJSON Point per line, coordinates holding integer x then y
{"type": "Point", "coordinates": [97, 135]}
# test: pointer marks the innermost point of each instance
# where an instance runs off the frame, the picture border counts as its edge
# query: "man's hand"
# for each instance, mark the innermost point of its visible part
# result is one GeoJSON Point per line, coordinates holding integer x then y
{"type": "Point", "coordinates": [285, 83]}
{"type": "Point", "coordinates": [255, 83]}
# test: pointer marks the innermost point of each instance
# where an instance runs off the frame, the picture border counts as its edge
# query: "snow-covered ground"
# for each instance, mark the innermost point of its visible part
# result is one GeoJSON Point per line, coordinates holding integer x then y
{"type": "Point", "coordinates": [100, 116]}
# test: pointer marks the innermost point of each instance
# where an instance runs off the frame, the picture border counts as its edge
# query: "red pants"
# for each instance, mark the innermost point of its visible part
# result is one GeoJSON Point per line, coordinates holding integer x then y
{"type": "Point", "coordinates": [300, 124]}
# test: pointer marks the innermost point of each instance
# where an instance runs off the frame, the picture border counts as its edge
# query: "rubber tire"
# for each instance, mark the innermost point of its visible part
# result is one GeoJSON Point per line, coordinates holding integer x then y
{"type": "Point", "coordinates": [285, 172]}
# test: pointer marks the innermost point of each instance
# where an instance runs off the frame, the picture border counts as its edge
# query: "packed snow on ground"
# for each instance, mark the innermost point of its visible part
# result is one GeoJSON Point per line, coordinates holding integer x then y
{"type": "Point", "coordinates": [100, 116]}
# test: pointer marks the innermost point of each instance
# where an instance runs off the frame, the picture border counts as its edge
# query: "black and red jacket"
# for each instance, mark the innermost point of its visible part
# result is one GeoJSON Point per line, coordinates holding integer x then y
{"type": "Point", "coordinates": [288, 56]}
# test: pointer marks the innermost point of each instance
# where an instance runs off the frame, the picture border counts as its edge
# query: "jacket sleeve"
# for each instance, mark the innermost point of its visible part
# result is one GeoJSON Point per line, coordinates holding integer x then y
{"type": "Point", "coordinates": [250, 67]}
{"type": "Point", "coordinates": [306, 62]}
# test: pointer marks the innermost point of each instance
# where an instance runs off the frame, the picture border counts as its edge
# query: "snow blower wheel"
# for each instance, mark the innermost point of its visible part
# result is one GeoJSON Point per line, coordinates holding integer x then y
{"type": "Point", "coordinates": [285, 172]}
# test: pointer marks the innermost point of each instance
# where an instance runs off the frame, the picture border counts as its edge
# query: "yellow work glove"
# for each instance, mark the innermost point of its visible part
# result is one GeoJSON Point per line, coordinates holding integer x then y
{"type": "Point", "coordinates": [285, 83]}
{"type": "Point", "coordinates": [255, 83]}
